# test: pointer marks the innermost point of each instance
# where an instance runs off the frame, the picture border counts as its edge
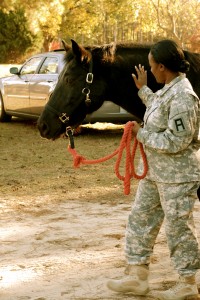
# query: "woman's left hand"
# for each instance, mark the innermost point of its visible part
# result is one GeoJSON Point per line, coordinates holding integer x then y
{"type": "Point", "coordinates": [136, 127]}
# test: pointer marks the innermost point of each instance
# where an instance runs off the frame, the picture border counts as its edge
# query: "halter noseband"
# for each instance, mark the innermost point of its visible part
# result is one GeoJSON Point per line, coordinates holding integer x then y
{"type": "Point", "coordinates": [62, 116]}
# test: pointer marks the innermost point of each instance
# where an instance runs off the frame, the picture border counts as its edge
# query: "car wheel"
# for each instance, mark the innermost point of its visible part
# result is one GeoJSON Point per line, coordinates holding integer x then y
{"type": "Point", "coordinates": [3, 116]}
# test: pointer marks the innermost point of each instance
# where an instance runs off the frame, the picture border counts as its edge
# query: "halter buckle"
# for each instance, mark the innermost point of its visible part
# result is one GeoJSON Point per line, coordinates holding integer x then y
{"type": "Point", "coordinates": [64, 118]}
{"type": "Point", "coordinates": [89, 78]}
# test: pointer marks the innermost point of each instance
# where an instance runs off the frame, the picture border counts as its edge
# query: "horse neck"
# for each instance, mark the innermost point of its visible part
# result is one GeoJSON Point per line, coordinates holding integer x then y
{"type": "Point", "coordinates": [120, 87]}
{"type": "Point", "coordinates": [115, 70]}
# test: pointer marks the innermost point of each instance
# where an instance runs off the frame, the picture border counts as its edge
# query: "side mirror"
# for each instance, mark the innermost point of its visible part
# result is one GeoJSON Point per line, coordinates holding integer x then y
{"type": "Point", "coordinates": [14, 70]}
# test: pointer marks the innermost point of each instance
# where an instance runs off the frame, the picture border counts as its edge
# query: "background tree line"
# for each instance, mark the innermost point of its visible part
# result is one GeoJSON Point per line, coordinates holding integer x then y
{"type": "Point", "coordinates": [33, 26]}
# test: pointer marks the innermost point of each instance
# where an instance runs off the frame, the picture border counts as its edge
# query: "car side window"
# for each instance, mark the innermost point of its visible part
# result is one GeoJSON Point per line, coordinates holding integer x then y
{"type": "Point", "coordinates": [49, 66]}
{"type": "Point", "coordinates": [31, 66]}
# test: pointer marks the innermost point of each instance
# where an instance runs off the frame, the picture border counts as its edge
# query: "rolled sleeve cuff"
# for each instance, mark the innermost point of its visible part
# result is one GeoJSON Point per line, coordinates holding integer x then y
{"type": "Point", "coordinates": [141, 135]}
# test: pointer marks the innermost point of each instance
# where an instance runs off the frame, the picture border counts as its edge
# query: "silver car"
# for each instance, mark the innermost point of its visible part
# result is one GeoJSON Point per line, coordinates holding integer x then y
{"type": "Point", "coordinates": [27, 90]}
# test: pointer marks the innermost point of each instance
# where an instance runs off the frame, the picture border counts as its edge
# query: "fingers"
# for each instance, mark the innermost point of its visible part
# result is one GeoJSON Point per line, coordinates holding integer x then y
{"type": "Point", "coordinates": [134, 77]}
{"type": "Point", "coordinates": [140, 69]}
{"type": "Point", "coordinates": [141, 78]}
{"type": "Point", "coordinates": [135, 128]}
{"type": "Point", "coordinates": [136, 80]}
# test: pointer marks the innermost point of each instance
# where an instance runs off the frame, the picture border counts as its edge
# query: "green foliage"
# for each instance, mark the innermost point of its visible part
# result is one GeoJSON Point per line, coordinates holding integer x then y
{"type": "Point", "coordinates": [49, 20]}
{"type": "Point", "coordinates": [177, 19]}
{"type": "Point", "coordinates": [101, 21]}
{"type": "Point", "coordinates": [15, 37]}
{"type": "Point", "coordinates": [39, 22]}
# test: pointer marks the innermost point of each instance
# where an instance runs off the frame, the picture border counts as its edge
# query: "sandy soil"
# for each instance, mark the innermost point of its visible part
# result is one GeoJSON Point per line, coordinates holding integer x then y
{"type": "Point", "coordinates": [62, 229]}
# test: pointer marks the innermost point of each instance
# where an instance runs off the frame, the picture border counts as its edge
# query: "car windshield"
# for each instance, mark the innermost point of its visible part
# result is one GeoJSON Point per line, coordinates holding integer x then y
{"type": "Point", "coordinates": [31, 66]}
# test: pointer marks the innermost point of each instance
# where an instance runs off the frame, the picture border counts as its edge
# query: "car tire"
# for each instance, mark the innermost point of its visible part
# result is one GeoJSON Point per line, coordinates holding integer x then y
{"type": "Point", "coordinates": [3, 116]}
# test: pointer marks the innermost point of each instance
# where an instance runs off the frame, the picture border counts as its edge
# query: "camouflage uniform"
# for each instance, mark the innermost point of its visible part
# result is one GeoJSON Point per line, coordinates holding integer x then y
{"type": "Point", "coordinates": [170, 140]}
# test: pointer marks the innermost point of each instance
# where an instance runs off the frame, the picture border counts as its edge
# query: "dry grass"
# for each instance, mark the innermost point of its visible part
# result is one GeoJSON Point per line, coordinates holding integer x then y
{"type": "Point", "coordinates": [31, 165]}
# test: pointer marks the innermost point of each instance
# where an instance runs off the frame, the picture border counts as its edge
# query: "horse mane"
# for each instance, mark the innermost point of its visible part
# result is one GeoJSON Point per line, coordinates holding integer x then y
{"type": "Point", "coordinates": [107, 52]}
{"type": "Point", "coordinates": [110, 51]}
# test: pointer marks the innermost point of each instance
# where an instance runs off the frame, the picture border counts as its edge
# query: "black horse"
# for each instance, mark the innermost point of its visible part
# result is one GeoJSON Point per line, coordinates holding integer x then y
{"type": "Point", "coordinates": [92, 75]}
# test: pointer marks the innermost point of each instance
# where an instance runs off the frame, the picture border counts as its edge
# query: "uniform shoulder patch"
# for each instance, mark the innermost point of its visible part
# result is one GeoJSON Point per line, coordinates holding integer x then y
{"type": "Point", "coordinates": [179, 124]}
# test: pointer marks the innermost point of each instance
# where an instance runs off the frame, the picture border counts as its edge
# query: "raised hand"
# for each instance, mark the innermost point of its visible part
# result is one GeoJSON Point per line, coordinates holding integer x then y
{"type": "Point", "coordinates": [141, 78]}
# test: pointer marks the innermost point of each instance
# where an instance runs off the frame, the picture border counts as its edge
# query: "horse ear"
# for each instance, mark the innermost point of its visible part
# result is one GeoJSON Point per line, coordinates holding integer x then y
{"type": "Point", "coordinates": [77, 50]}
{"type": "Point", "coordinates": [80, 52]}
{"type": "Point", "coordinates": [66, 47]}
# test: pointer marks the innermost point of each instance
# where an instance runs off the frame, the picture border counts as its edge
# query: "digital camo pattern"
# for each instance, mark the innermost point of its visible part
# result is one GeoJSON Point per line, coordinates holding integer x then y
{"type": "Point", "coordinates": [153, 201]}
{"type": "Point", "coordinates": [170, 140]}
{"type": "Point", "coordinates": [170, 133]}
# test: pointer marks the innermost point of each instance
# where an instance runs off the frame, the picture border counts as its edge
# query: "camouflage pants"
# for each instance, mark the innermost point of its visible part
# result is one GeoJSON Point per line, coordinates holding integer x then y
{"type": "Point", "coordinates": [153, 202]}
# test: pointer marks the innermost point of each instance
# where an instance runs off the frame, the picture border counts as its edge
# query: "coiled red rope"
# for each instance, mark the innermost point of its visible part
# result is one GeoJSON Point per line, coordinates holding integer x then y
{"type": "Point", "coordinates": [125, 144]}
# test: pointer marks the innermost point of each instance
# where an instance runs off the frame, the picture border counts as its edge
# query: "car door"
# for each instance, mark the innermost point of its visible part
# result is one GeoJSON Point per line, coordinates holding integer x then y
{"type": "Point", "coordinates": [42, 84]}
{"type": "Point", "coordinates": [16, 89]}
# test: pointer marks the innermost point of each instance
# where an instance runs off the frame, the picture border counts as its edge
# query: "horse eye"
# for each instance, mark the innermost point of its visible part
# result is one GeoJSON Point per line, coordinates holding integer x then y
{"type": "Point", "coordinates": [67, 79]}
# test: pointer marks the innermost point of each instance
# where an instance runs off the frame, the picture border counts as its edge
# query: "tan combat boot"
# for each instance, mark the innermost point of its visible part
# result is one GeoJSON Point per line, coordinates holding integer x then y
{"type": "Point", "coordinates": [136, 281]}
{"type": "Point", "coordinates": [186, 288]}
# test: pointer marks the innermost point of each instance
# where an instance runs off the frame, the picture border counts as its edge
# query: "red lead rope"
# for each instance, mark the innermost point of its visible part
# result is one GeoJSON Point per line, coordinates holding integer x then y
{"type": "Point", "coordinates": [125, 144]}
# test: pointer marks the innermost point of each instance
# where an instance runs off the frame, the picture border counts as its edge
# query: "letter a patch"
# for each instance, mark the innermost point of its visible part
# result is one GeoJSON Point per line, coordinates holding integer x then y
{"type": "Point", "coordinates": [179, 124]}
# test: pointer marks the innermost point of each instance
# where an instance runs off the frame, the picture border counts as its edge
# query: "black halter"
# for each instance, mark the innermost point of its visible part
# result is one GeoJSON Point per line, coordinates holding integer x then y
{"type": "Point", "coordinates": [89, 80]}
{"type": "Point", "coordinates": [63, 117]}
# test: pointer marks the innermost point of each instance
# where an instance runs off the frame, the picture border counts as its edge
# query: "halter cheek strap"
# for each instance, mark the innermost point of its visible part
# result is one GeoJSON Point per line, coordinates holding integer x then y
{"type": "Point", "coordinates": [89, 80]}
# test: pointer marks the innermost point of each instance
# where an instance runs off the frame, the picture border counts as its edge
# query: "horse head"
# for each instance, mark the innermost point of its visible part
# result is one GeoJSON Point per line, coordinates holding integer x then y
{"type": "Point", "coordinates": [79, 91]}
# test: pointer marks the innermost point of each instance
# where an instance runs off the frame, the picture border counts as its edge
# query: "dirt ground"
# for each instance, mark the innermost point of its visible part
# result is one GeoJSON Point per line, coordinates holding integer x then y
{"type": "Point", "coordinates": [62, 229]}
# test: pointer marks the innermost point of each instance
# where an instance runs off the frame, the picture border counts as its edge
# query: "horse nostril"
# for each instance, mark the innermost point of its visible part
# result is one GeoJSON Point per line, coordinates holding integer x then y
{"type": "Point", "coordinates": [43, 128]}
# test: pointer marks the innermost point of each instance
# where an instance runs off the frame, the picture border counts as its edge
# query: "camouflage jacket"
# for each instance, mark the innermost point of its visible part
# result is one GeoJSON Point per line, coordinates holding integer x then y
{"type": "Point", "coordinates": [170, 132]}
